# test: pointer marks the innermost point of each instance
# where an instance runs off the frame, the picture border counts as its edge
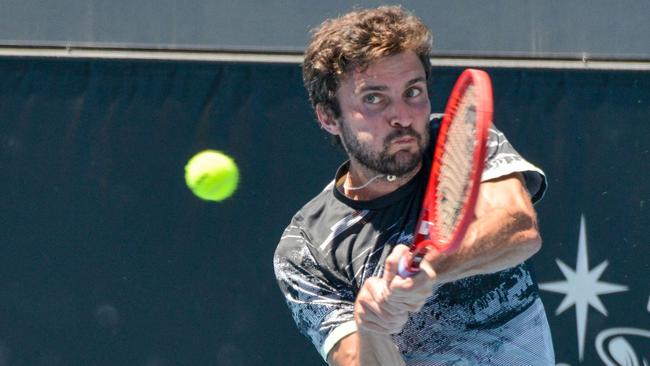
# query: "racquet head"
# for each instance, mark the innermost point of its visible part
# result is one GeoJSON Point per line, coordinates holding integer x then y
{"type": "Point", "coordinates": [459, 157]}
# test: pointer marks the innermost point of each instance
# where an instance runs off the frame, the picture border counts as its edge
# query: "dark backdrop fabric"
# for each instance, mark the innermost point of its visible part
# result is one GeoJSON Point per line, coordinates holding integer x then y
{"type": "Point", "coordinates": [106, 258]}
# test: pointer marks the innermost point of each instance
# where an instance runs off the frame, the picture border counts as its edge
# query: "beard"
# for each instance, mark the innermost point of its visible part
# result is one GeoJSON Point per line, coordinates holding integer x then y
{"type": "Point", "coordinates": [383, 162]}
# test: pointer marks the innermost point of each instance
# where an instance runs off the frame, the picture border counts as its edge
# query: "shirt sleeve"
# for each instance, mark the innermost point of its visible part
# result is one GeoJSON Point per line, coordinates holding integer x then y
{"type": "Point", "coordinates": [320, 304]}
{"type": "Point", "coordinates": [503, 159]}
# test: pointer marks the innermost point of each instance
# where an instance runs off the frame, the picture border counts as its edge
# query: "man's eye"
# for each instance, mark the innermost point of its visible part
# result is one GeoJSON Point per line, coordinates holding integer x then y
{"type": "Point", "coordinates": [413, 92]}
{"type": "Point", "coordinates": [372, 99]}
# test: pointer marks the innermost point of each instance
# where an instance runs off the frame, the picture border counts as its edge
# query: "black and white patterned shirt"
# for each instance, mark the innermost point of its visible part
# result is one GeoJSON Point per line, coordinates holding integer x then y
{"type": "Point", "coordinates": [333, 244]}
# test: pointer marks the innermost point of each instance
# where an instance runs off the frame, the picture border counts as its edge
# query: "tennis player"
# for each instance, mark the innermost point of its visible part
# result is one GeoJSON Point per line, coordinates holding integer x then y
{"type": "Point", "coordinates": [366, 74]}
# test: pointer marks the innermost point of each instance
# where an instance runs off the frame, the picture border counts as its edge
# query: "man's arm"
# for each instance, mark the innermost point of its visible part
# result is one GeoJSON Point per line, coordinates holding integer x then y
{"type": "Point", "coordinates": [504, 233]}
{"type": "Point", "coordinates": [381, 309]}
{"type": "Point", "coordinates": [365, 349]}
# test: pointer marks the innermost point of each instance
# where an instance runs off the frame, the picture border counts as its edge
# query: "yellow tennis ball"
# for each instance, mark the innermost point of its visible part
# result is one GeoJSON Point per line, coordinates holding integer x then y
{"type": "Point", "coordinates": [212, 175]}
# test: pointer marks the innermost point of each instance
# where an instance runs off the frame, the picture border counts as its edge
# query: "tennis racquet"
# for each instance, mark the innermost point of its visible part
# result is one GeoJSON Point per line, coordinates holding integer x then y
{"type": "Point", "coordinates": [458, 160]}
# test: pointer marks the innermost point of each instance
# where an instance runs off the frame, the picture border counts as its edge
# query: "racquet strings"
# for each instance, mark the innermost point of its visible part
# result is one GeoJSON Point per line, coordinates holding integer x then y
{"type": "Point", "coordinates": [456, 166]}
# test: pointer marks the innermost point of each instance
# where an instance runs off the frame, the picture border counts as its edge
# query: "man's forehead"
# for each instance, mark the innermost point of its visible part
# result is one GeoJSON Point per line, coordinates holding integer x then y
{"type": "Point", "coordinates": [404, 66]}
{"type": "Point", "coordinates": [384, 72]}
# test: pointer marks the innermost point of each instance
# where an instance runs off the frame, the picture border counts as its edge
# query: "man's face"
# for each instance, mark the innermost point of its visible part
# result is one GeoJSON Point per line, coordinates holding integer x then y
{"type": "Point", "coordinates": [385, 114]}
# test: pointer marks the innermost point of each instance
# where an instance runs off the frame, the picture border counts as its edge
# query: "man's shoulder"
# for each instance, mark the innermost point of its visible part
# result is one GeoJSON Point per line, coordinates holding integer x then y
{"type": "Point", "coordinates": [317, 206]}
{"type": "Point", "coordinates": [303, 223]}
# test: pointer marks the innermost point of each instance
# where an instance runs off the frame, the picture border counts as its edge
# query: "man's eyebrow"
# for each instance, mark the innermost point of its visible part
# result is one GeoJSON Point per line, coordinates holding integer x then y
{"type": "Point", "coordinates": [416, 80]}
{"type": "Point", "coordinates": [367, 88]}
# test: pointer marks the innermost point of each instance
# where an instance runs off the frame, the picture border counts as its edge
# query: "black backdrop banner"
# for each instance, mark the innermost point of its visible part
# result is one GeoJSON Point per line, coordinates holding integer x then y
{"type": "Point", "coordinates": [108, 259]}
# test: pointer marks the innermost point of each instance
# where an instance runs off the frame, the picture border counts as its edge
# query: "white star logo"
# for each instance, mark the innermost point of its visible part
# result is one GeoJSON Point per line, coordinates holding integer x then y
{"type": "Point", "coordinates": [582, 287]}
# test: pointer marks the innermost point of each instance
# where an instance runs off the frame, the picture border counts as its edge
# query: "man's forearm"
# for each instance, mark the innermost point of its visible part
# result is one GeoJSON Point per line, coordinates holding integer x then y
{"type": "Point", "coordinates": [365, 348]}
{"type": "Point", "coordinates": [378, 349]}
{"type": "Point", "coordinates": [499, 240]}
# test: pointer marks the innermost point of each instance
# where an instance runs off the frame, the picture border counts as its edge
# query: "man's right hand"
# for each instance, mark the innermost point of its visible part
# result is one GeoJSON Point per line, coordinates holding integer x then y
{"type": "Point", "coordinates": [383, 303]}
{"type": "Point", "coordinates": [381, 309]}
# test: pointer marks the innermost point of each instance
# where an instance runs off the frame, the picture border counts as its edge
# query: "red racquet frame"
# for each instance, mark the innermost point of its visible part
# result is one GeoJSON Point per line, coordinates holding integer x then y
{"type": "Point", "coordinates": [426, 237]}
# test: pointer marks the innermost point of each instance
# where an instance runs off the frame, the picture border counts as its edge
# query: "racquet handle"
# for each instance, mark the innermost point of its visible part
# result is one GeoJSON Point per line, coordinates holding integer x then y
{"type": "Point", "coordinates": [409, 264]}
{"type": "Point", "coordinates": [406, 269]}
{"type": "Point", "coordinates": [402, 268]}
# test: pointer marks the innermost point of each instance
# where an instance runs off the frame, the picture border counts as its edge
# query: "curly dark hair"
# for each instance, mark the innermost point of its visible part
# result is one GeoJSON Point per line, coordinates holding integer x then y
{"type": "Point", "coordinates": [354, 40]}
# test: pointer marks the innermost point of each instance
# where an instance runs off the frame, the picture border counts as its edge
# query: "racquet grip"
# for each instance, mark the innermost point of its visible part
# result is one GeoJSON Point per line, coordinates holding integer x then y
{"type": "Point", "coordinates": [403, 268]}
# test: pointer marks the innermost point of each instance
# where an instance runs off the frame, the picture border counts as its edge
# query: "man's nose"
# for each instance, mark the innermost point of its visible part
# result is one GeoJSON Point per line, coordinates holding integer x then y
{"type": "Point", "coordinates": [400, 114]}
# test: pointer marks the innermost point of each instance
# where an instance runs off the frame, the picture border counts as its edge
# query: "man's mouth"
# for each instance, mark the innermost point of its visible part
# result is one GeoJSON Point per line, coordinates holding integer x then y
{"type": "Point", "coordinates": [405, 140]}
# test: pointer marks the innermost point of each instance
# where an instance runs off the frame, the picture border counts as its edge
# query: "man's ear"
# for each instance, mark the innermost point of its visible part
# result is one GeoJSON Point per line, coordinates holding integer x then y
{"type": "Point", "coordinates": [327, 120]}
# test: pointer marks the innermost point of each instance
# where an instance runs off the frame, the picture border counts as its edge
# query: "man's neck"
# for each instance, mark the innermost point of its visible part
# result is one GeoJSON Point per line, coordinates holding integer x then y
{"type": "Point", "coordinates": [362, 184]}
